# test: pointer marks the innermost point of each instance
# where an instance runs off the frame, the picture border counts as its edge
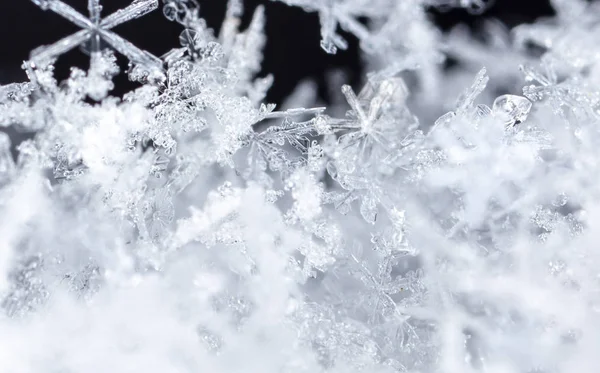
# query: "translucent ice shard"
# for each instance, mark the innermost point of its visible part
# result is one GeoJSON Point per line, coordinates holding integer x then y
{"type": "Point", "coordinates": [466, 100]}
{"type": "Point", "coordinates": [511, 109]}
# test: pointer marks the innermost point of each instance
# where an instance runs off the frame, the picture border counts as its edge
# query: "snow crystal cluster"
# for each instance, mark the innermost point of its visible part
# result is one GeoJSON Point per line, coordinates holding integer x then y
{"type": "Point", "coordinates": [189, 226]}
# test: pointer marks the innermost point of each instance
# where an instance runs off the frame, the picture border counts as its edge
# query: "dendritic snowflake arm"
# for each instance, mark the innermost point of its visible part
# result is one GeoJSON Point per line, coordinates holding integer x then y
{"type": "Point", "coordinates": [331, 14]}
{"type": "Point", "coordinates": [267, 148]}
{"type": "Point", "coordinates": [292, 112]}
{"type": "Point", "coordinates": [45, 54]}
{"type": "Point", "coordinates": [94, 29]}
{"type": "Point", "coordinates": [137, 9]}
{"type": "Point", "coordinates": [66, 12]}
{"type": "Point", "coordinates": [131, 51]}
{"type": "Point", "coordinates": [465, 104]}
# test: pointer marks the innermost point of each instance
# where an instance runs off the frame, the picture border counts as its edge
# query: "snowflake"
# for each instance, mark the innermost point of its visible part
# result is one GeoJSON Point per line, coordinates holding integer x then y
{"type": "Point", "coordinates": [94, 30]}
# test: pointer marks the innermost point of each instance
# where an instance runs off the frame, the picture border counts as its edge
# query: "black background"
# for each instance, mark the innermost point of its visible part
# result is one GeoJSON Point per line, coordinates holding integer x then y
{"type": "Point", "coordinates": [292, 52]}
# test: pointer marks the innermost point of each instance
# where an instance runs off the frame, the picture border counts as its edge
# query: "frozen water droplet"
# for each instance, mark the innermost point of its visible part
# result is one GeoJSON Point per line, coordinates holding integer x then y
{"type": "Point", "coordinates": [511, 109]}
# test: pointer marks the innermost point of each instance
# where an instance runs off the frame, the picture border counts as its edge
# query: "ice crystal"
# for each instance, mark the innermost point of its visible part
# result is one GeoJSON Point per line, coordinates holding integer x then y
{"type": "Point", "coordinates": [96, 30]}
{"type": "Point", "coordinates": [190, 225]}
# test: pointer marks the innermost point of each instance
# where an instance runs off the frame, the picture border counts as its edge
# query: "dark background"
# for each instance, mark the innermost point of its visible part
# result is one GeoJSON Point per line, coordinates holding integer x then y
{"type": "Point", "coordinates": [292, 52]}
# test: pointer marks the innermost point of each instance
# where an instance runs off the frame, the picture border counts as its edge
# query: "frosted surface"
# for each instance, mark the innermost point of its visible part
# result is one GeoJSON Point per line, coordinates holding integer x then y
{"type": "Point", "coordinates": [435, 220]}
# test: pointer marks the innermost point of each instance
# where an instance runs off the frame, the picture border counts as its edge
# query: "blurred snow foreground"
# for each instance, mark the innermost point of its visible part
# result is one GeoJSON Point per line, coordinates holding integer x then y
{"type": "Point", "coordinates": [190, 227]}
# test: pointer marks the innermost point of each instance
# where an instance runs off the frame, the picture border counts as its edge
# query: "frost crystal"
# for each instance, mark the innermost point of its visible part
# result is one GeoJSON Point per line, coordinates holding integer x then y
{"type": "Point", "coordinates": [96, 30]}
{"type": "Point", "coordinates": [191, 226]}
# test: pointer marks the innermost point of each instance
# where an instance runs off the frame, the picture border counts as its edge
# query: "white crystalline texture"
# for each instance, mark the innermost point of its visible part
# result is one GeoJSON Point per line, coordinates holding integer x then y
{"type": "Point", "coordinates": [191, 226]}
